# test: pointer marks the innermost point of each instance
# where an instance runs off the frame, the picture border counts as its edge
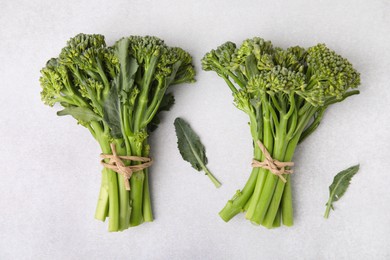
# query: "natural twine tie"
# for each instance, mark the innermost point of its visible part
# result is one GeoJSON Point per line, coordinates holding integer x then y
{"type": "Point", "coordinates": [274, 166]}
{"type": "Point", "coordinates": [116, 164]}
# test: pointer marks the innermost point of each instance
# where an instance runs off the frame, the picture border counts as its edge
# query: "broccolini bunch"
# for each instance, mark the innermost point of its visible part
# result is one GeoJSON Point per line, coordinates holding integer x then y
{"type": "Point", "coordinates": [117, 93]}
{"type": "Point", "coordinates": [285, 93]}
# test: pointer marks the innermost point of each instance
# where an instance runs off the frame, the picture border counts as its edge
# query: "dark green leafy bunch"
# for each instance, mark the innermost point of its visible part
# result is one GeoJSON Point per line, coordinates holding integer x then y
{"type": "Point", "coordinates": [117, 93]}
{"type": "Point", "coordinates": [285, 93]}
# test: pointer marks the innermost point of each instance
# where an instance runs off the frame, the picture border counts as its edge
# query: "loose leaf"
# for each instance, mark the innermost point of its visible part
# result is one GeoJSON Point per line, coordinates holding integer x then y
{"type": "Point", "coordinates": [339, 186]}
{"type": "Point", "coordinates": [191, 149]}
{"type": "Point", "coordinates": [81, 114]}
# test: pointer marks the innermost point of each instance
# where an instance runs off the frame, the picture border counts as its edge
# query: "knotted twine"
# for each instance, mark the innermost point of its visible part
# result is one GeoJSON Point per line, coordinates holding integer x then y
{"type": "Point", "coordinates": [274, 166]}
{"type": "Point", "coordinates": [116, 164]}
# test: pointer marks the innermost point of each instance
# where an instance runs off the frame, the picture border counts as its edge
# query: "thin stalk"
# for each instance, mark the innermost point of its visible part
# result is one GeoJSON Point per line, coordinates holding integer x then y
{"type": "Point", "coordinates": [137, 186]}
{"type": "Point", "coordinates": [230, 84]}
{"type": "Point", "coordinates": [292, 108]}
{"type": "Point", "coordinates": [102, 205]}
{"type": "Point", "coordinates": [278, 219]}
{"type": "Point", "coordinates": [136, 195]}
{"type": "Point", "coordinates": [229, 73]}
{"type": "Point", "coordinates": [102, 74]}
{"type": "Point", "coordinates": [275, 119]}
{"type": "Point", "coordinates": [124, 207]}
{"type": "Point", "coordinates": [211, 176]}
{"type": "Point", "coordinates": [287, 207]}
{"type": "Point", "coordinates": [157, 97]}
{"type": "Point", "coordinates": [143, 98]}
{"type": "Point", "coordinates": [276, 103]}
{"type": "Point", "coordinates": [147, 206]}
{"type": "Point", "coordinates": [328, 207]}
{"type": "Point", "coordinates": [248, 203]}
{"type": "Point", "coordinates": [152, 111]}
{"type": "Point", "coordinates": [237, 203]}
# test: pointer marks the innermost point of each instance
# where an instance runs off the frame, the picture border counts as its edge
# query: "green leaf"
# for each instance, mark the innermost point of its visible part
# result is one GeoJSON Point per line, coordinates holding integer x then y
{"type": "Point", "coordinates": [191, 149]}
{"type": "Point", "coordinates": [128, 66]}
{"type": "Point", "coordinates": [166, 103]}
{"type": "Point", "coordinates": [111, 111]}
{"type": "Point", "coordinates": [82, 114]}
{"type": "Point", "coordinates": [251, 66]}
{"type": "Point", "coordinates": [339, 186]}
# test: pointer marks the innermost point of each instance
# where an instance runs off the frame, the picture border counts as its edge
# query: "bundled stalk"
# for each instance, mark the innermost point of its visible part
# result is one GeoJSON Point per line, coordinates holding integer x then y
{"type": "Point", "coordinates": [117, 93]}
{"type": "Point", "coordinates": [285, 93]}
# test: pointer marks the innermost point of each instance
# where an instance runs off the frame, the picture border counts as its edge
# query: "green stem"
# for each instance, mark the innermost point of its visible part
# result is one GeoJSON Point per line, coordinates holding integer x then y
{"type": "Point", "coordinates": [147, 205]}
{"type": "Point", "coordinates": [156, 101]}
{"type": "Point", "coordinates": [246, 207]}
{"type": "Point", "coordinates": [237, 203]}
{"type": "Point", "coordinates": [152, 111]}
{"type": "Point", "coordinates": [137, 186]}
{"type": "Point", "coordinates": [124, 207]}
{"type": "Point", "coordinates": [287, 207]}
{"type": "Point", "coordinates": [143, 98]}
{"type": "Point", "coordinates": [328, 207]}
{"type": "Point", "coordinates": [278, 218]}
{"type": "Point", "coordinates": [230, 74]}
{"type": "Point", "coordinates": [136, 195]}
{"type": "Point", "coordinates": [211, 176]}
{"type": "Point", "coordinates": [102, 205]}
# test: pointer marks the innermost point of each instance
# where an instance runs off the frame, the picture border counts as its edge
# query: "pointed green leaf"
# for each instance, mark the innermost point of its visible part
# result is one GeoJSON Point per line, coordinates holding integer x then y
{"type": "Point", "coordinates": [251, 66]}
{"type": "Point", "coordinates": [191, 149]}
{"type": "Point", "coordinates": [128, 65]}
{"type": "Point", "coordinates": [81, 114]}
{"type": "Point", "coordinates": [339, 186]}
{"type": "Point", "coordinates": [112, 113]}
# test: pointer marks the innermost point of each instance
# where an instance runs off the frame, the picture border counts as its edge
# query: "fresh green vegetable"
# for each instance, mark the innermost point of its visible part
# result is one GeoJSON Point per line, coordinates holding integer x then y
{"type": "Point", "coordinates": [191, 149]}
{"type": "Point", "coordinates": [339, 186]}
{"type": "Point", "coordinates": [116, 93]}
{"type": "Point", "coordinates": [285, 93]}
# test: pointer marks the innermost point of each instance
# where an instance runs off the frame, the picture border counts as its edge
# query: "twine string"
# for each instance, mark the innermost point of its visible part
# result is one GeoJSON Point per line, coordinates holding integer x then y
{"type": "Point", "coordinates": [274, 166]}
{"type": "Point", "coordinates": [116, 164]}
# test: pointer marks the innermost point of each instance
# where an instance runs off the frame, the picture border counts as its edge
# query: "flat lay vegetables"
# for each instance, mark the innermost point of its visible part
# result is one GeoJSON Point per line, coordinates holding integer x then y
{"type": "Point", "coordinates": [191, 149]}
{"type": "Point", "coordinates": [339, 186]}
{"type": "Point", "coordinates": [117, 92]}
{"type": "Point", "coordinates": [285, 93]}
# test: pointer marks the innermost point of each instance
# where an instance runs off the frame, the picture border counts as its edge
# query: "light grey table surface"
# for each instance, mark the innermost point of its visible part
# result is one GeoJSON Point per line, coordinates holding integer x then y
{"type": "Point", "coordinates": [50, 173]}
